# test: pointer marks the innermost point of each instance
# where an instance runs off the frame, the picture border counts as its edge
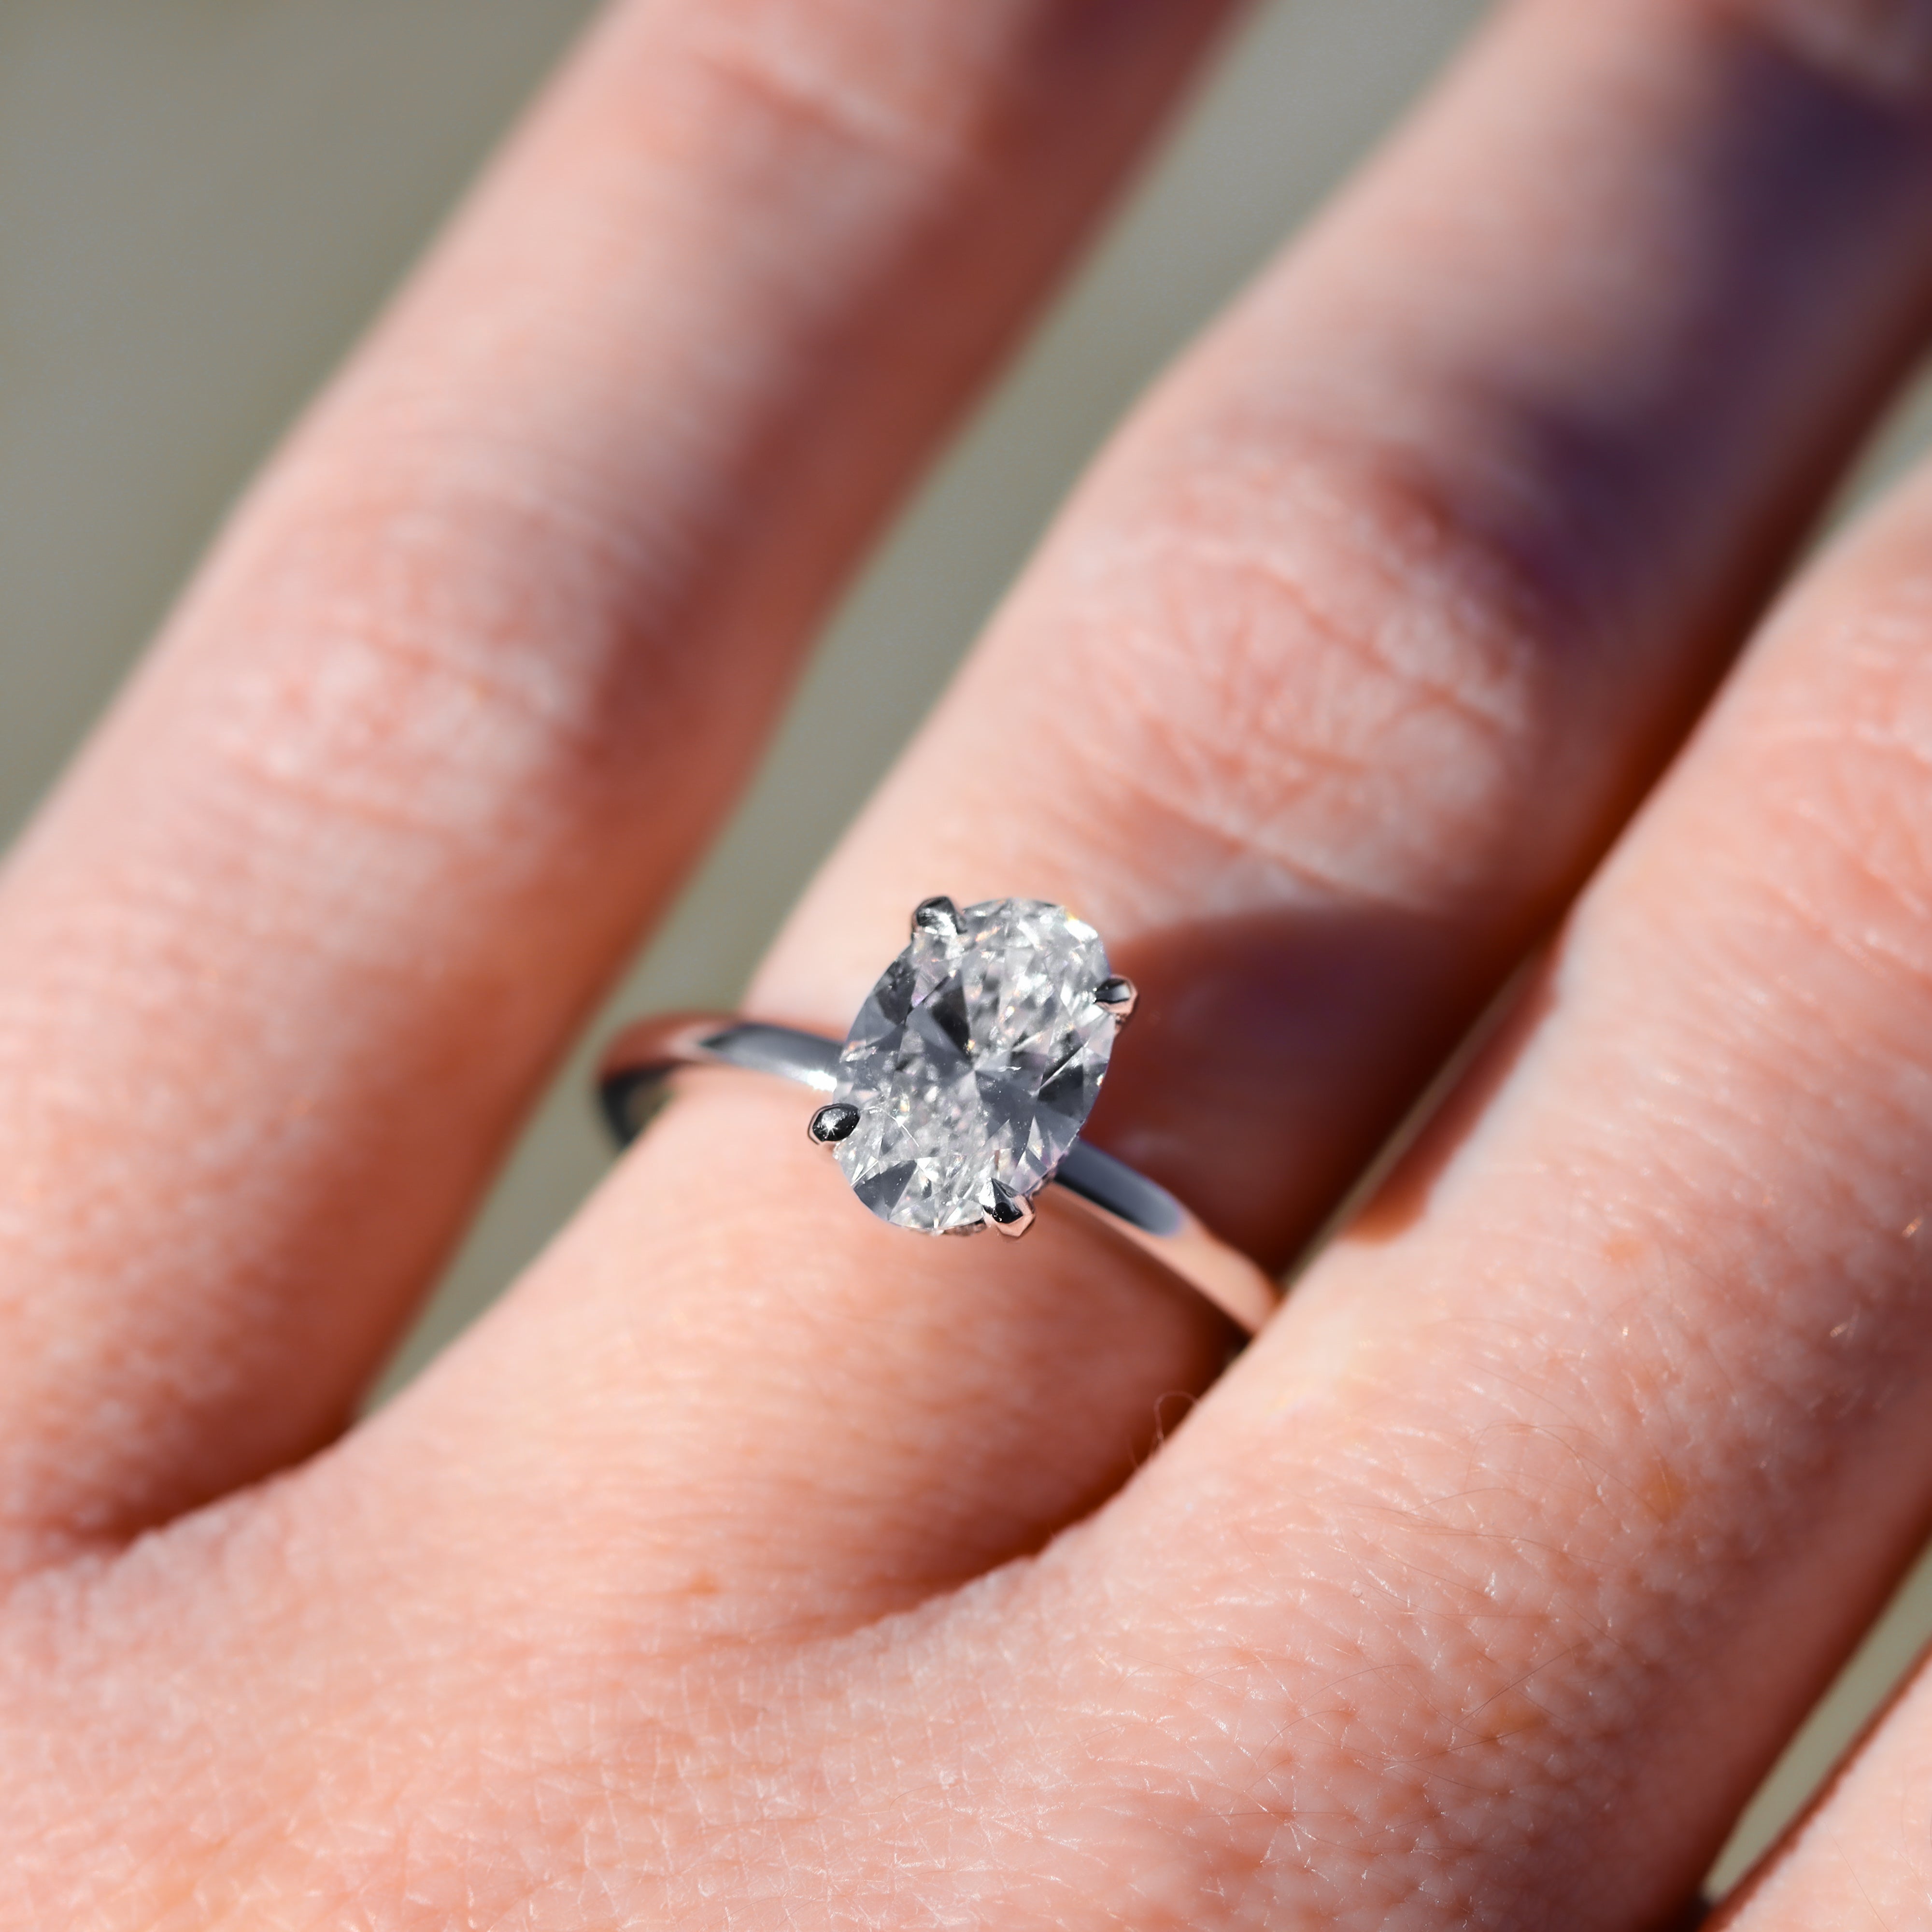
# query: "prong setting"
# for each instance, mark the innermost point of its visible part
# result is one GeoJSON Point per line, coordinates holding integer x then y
{"type": "Point", "coordinates": [1119, 995]}
{"type": "Point", "coordinates": [937, 914]}
{"type": "Point", "coordinates": [1010, 1214]}
{"type": "Point", "coordinates": [833, 1123]}
{"type": "Point", "coordinates": [932, 1144]}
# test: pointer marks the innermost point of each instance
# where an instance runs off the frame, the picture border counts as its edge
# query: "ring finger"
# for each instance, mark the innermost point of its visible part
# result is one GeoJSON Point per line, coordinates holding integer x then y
{"type": "Point", "coordinates": [1329, 686]}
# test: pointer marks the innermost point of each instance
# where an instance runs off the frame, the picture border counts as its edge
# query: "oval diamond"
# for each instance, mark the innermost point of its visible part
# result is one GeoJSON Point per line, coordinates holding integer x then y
{"type": "Point", "coordinates": [974, 1063]}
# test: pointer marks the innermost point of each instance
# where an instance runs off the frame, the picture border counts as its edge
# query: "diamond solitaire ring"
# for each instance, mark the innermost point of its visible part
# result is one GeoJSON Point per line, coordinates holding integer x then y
{"type": "Point", "coordinates": [961, 1090]}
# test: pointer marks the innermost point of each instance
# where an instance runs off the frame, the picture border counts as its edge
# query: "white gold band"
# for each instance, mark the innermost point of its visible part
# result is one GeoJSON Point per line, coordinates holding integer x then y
{"type": "Point", "coordinates": [645, 1053]}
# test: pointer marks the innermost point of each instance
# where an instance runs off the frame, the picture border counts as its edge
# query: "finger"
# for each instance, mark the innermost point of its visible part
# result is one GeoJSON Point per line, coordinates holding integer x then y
{"type": "Point", "coordinates": [1325, 689]}
{"type": "Point", "coordinates": [1864, 1848]}
{"type": "Point", "coordinates": [1361, 640]}
{"type": "Point", "coordinates": [470, 679]}
{"type": "Point", "coordinates": [1478, 1594]}
{"type": "Point", "coordinates": [1562, 1487]}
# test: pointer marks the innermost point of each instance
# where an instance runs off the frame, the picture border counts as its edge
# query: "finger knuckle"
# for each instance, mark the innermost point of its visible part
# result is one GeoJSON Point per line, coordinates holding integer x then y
{"type": "Point", "coordinates": [1327, 660]}
{"type": "Point", "coordinates": [426, 649]}
{"type": "Point", "coordinates": [797, 73]}
{"type": "Point", "coordinates": [1882, 47]}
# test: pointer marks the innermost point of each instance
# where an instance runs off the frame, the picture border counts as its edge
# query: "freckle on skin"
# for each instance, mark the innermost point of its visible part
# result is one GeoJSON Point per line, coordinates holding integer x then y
{"type": "Point", "coordinates": [1663, 1492]}
{"type": "Point", "coordinates": [1621, 1249]}
{"type": "Point", "coordinates": [1508, 1715]}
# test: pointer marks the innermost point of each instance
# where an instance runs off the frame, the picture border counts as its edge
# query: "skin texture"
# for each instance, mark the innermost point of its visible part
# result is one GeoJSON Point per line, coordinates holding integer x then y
{"type": "Point", "coordinates": [472, 677]}
{"type": "Point", "coordinates": [753, 1565]}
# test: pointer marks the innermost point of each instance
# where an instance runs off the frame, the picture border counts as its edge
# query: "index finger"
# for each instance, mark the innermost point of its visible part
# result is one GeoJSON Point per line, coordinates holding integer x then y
{"type": "Point", "coordinates": [472, 677]}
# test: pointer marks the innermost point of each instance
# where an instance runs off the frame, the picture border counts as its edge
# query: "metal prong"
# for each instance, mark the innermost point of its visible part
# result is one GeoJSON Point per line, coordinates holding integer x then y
{"type": "Point", "coordinates": [1118, 995]}
{"type": "Point", "coordinates": [938, 914]}
{"type": "Point", "coordinates": [832, 1122]}
{"type": "Point", "coordinates": [1009, 1214]}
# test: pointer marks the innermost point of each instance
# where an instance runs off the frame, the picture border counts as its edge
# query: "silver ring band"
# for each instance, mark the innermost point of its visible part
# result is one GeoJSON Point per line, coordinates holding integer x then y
{"type": "Point", "coordinates": [643, 1056]}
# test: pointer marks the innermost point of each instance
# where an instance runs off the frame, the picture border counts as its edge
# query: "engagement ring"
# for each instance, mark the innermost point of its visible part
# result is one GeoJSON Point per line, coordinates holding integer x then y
{"type": "Point", "coordinates": [960, 1092]}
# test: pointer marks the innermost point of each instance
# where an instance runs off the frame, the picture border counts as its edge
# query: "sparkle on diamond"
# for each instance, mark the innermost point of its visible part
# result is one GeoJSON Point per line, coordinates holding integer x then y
{"type": "Point", "coordinates": [974, 1061]}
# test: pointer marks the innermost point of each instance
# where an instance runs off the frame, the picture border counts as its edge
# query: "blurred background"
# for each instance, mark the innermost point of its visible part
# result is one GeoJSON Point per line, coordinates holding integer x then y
{"type": "Point", "coordinates": [202, 203]}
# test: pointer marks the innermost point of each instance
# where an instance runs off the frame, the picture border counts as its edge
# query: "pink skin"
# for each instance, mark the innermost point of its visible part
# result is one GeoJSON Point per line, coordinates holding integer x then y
{"type": "Point", "coordinates": [752, 1565]}
{"type": "Point", "coordinates": [471, 679]}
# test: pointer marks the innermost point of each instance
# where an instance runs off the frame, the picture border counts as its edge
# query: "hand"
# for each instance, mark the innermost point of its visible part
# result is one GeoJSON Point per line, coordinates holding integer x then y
{"type": "Point", "coordinates": [754, 1565]}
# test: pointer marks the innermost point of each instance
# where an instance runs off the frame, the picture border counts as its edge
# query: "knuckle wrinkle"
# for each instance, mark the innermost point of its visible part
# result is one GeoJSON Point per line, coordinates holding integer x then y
{"type": "Point", "coordinates": [1881, 47]}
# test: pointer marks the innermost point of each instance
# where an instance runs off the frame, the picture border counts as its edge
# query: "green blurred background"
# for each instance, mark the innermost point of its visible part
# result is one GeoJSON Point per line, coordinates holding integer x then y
{"type": "Point", "coordinates": [202, 203]}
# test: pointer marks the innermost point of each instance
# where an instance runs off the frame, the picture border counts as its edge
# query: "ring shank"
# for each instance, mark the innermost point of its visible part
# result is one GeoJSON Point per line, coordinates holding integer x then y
{"type": "Point", "coordinates": [631, 1080]}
